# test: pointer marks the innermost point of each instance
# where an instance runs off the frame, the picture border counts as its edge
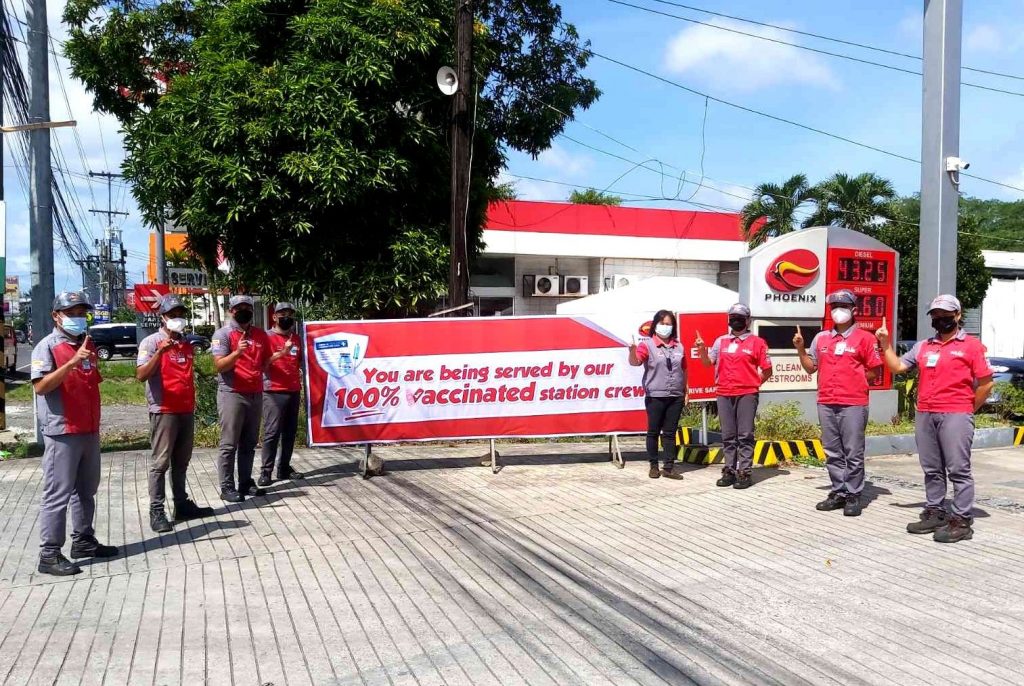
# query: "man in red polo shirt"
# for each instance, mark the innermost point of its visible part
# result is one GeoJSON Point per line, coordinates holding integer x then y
{"type": "Point", "coordinates": [165, 365]}
{"type": "Point", "coordinates": [66, 380]}
{"type": "Point", "coordinates": [954, 381]}
{"type": "Point", "coordinates": [741, 366]}
{"type": "Point", "coordinates": [282, 384]}
{"type": "Point", "coordinates": [241, 353]}
{"type": "Point", "coordinates": [846, 360]}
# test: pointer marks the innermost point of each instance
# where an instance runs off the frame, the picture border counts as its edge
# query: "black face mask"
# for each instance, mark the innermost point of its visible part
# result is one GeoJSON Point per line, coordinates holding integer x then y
{"type": "Point", "coordinates": [737, 323]}
{"type": "Point", "coordinates": [243, 316]}
{"type": "Point", "coordinates": [944, 324]}
{"type": "Point", "coordinates": [285, 322]}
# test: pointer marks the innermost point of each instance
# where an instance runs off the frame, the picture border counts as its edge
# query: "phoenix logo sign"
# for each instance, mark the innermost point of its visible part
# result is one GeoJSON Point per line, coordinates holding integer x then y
{"type": "Point", "coordinates": [790, 272]}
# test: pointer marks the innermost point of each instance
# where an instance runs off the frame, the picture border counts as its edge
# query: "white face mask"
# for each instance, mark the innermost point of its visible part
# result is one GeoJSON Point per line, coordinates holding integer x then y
{"type": "Point", "coordinates": [841, 315]}
{"type": "Point", "coordinates": [663, 330]}
{"type": "Point", "coordinates": [175, 325]}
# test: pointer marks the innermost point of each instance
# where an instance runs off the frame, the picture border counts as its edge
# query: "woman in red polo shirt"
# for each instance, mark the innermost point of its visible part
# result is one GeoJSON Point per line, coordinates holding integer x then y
{"type": "Point", "coordinates": [664, 363]}
{"type": "Point", "coordinates": [741, 366]}
{"type": "Point", "coordinates": [954, 380]}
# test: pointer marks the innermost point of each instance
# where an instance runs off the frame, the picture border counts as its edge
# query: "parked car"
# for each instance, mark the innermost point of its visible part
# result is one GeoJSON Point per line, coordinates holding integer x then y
{"type": "Point", "coordinates": [21, 336]}
{"type": "Point", "coordinates": [114, 339]}
{"type": "Point", "coordinates": [10, 350]}
{"type": "Point", "coordinates": [1005, 369]}
{"type": "Point", "coordinates": [199, 343]}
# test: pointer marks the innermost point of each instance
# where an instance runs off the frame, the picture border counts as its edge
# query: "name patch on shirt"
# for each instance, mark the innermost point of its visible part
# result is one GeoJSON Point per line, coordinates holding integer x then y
{"type": "Point", "coordinates": [931, 360]}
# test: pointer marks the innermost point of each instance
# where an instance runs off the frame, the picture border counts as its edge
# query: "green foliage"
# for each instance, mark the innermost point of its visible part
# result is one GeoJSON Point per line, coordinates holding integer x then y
{"type": "Point", "coordinates": [1010, 404]}
{"type": "Point", "coordinates": [204, 330]}
{"type": "Point", "coordinates": [783, 422]}
{"type": "Point", "coordinates": [691, 416]}
{"type": "Point", "coordinates": [123, 315]}
{"type": "Point", "coordinates": [309, 140]}
{"type": "Point", "coordinates": [592, 196]}
{"type": "Point", "coordinates": [1001, 223]}
{"type": "Point", "coordinates": [773, 208]}
{"type": "Point", "coordinates": [857, 202]}
{"type": "Point", "coordinates": [972, 277]}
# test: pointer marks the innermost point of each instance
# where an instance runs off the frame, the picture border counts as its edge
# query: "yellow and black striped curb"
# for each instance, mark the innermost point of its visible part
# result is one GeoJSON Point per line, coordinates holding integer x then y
{"type": "Point", "coordinates": [700, 454]}
{"type": "Point", "coordinates": [684, 436]}
{"type": "Point", "coordinates": [1018, 435]}
{"type": "Point", "coordinates": [790, 449]}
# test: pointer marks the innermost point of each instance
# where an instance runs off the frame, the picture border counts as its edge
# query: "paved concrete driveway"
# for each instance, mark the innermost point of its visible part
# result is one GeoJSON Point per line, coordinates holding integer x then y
{"type": "Point", "coordinates": [555, 571]}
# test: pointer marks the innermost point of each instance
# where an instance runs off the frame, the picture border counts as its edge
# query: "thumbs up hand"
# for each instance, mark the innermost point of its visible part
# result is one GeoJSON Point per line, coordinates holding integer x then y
{"type": "Point", "coordinates": [699, 342]}
{"type": "Point", "coordinates": [798, 339]}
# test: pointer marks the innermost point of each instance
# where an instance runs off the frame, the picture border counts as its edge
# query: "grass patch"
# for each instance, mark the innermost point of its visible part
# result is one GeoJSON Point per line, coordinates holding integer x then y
{"type": "Point", "coordinates": [111, 441]}
{"type": "Point", "coordinates": [906, 426]}
{"type": "Point", "coordinates": [807, 461]}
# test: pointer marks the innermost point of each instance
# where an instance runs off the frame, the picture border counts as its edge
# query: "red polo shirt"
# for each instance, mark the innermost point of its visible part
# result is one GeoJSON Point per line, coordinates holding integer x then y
{"type": "Point", "coordinates": [738, 363]}
{"type": "Point", "coordinates": [247, 374]}
{"type": "Point", "coordinates": [948, 372]}
{"type": "Point", "coordinates": [843, 361]}
{"type": "Point", "coordinates": [172, 389]}
{"type": "Point", "coordinates": [284, 375]}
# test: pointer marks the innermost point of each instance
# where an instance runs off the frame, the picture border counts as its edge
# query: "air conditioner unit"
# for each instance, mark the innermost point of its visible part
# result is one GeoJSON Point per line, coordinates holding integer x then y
{"type": "Point", "coordinates": [546, 285]}
{"type": "Point", "coordinates": [577, 286]}
{"type": "Point", "coordinates": [620, 280]}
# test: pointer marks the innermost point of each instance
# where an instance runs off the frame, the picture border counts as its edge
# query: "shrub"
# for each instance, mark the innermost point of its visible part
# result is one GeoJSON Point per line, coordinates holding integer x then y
{"type": "Point", "coordinates": [204, 330]}
{"type": "Point", "coordinates": [1009, 401]}
{"type": "Point", "coordinates": [691, 416]}
{"type": "Point", "coordinates": [784, 422]}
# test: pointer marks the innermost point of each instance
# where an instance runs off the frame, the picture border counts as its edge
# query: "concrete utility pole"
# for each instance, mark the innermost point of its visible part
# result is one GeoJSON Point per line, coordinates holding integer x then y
{"type": "Point", "coordinates": [458, 271]}
{"type": "Point", "coordinates": [161, 251]}
{"type": "Point", "coordinates": [40, 173]}
{"type": "Point", "coordinates": [940, 141]}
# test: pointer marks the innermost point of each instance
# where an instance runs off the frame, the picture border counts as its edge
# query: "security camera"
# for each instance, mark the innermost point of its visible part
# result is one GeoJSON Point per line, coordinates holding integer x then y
{"type": "Point", "coordinates": [955, 164]}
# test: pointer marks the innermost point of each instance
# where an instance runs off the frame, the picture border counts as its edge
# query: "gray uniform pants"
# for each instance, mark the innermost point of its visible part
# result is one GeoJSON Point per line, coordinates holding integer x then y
{"type": "Point", "coordinates": [172, 436]}
{"type": "Point", "coordinates": [239, 415]}
{"type": "Point", "coordinates": [71, 474]}
{"type": "Point", "coordinates": [280, 424]}
{"type": "Point", "coordinates": [944, 442]}
{"type": "Point", "coordinates": [736, 414]}
{"type": "Point", "coordinates": [842, 437]}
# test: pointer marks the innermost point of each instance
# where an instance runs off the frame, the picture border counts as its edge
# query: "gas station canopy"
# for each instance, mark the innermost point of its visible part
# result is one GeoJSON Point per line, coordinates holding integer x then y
{"type": "Point", "coordinates": [674, 293]}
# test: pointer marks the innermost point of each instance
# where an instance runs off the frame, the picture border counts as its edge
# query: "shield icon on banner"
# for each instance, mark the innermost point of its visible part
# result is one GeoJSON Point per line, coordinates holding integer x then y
{"type": "Point", "coordinates": [340, 353]}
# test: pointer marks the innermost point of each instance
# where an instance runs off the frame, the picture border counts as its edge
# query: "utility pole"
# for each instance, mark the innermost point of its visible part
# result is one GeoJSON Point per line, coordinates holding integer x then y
{"type": "Point", "coordinates": [161, 251]}
{"type": "Point", "coordinates": [458, 270]}
{"type": "Point", "coordinates": [3, 222]}
{"type": "Point", "coordinates": [113, 276]}
{"type": "Point", "coordinates": [940, 140]}
{"type": "Point", "coordinates": [40, 173]}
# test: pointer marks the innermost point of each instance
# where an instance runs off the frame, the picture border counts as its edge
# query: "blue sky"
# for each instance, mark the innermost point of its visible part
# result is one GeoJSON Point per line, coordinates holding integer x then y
{"type": "Point", "coordinates": [858, 101]}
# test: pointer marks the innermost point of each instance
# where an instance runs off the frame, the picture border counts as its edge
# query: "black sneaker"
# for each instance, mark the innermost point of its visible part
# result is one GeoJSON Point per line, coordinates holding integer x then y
{"type": "Point", "coordinates": [252, 490]}
{"type": "Point", "coordinates": [88, 546]}
{"type": "Point", "coordinates": [669, 474]}
{"type": "Point", "coordinates": [931, 519]}
{"type": "Point", "coordinates": [58, 565]}
{"type": "Point", "coordinates": [852, 508]}
{"type": "Point", "coordinates": [290, 474]}
{"type": "Point", "coordinates": [158, 522]}
{"type": "Point", "coordinates": [728, 478]}
{"type": "Point", "coordinates": [834, 501]}
{"type": "Point", "coordinates": [743, 479]}
{"type": "Point", "coordinates": [265, 480]}
{"type": "Point", "coordinates": [232, 496]}
{"type": "Point", "coordinates": [187, 509]}
{"type": "Point", "coordinates": [956, 529]}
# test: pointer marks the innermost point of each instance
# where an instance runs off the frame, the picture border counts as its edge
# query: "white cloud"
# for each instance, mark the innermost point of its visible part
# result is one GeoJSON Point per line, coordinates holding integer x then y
{"type": "Point", "coordinates": [558, 159]}
{"type": "Point", "coordinates": [1013, 180]}
{"type": "Point", "coordinates": [741, 63]}
{"type": "Point", "coordinates": [984, 38]}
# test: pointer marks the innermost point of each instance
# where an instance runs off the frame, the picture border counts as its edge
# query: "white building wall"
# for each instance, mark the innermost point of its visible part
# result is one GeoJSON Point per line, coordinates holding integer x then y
{"type": "Point", "coordinates": [596, 269]}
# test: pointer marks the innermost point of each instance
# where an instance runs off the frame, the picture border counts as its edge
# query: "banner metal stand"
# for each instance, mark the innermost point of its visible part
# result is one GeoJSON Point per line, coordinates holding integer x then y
{"type": "Point", "coordinates": [615, 451]}
{"type": "Point", "coordinates": [703, 424]}
{"type": "Point", "coordinates": [364, 464]}
{"type": "Point", "coordinates": [494, 458]}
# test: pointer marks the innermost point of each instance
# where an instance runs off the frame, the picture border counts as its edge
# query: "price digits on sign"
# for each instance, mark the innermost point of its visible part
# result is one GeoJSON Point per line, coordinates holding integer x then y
{"type": "Point", "coordinates": [856, 270]}
{"type": "Point", "coordinates": [873, 306]}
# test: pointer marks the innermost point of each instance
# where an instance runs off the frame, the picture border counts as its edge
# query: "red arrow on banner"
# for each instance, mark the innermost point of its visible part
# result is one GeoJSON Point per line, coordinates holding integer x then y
{"type": "Point", "coordinates": [147, 297]}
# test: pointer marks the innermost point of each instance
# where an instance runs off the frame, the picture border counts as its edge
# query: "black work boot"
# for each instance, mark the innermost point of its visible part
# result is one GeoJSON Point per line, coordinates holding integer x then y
{"type": "Point", "coordinates": [956, 529]}
{"type": "Point", "coordinates": [186, 509]}
{"type": "Point", "coordinates": [88, 546]}
{"type": "Point", "coordinates": [232, 496]}
{"type": "Point", "coordinates": [57, 565]}
{"type": "Point", "coordinates": [728, 478]}
{"type": "Point", "coordinates": [252, 489]}
{"type": "Point", "coordinates": [931, 519]}
{"type": "Point", "coordinates": [653, 471]}
{"type": "Point", "coordinates": [834, 501]}
{"type": "Point", "coordinates": [265, 480]}
{"type": "Point", "coordinates": [743, 479]}
{"type": "Point", "coordinates": [670, 474]}
{"type": "Point", "coordinates": [288, 473]}
{"type": "Point", "coordinates": [852, 508]}
{"type": "Point", "coordinates": [158, 522]}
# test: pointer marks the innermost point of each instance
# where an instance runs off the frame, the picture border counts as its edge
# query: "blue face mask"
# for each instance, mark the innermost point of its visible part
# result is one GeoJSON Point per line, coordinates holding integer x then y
{"type": "Point", "coordinates": [74, 326]}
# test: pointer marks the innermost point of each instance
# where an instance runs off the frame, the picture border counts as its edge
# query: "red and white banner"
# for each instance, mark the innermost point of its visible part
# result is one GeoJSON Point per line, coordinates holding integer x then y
{"type": "Point", "coordinates": [700, 380]}
{"type": "Point", "coordinates": [430, 379]}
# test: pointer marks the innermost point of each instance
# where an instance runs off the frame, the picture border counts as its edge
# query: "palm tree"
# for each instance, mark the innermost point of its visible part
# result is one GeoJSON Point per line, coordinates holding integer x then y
{"type": "Point", "coordinates": [859, 202]}
{"type": "Point", "coordinates": [772, 210]}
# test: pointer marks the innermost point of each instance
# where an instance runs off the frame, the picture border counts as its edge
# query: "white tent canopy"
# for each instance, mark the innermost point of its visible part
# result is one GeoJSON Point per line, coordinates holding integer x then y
{"type": "Point", "coordinates": [675, 293]}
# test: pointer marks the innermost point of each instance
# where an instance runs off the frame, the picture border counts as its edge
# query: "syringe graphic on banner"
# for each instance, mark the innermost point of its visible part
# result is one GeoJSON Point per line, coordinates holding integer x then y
{"type": "Point", "coordinates": [341, 354]}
